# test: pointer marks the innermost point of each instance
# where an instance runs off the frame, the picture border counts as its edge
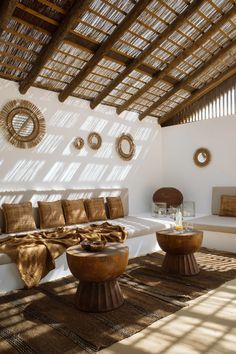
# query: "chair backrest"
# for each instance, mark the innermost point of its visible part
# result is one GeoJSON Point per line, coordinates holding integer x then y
{"type": "Point", "coordinates": [217, 192]}
{"type": "Point", "coordinates": [51, 195]}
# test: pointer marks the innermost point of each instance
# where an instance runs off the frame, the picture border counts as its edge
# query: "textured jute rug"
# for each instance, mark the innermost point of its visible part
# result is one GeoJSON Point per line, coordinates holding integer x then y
{"type": "Point", "coordinates": [44, 319]}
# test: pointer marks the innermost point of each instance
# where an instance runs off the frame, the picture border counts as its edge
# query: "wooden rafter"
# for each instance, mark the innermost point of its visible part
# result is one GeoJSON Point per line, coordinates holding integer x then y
{"type": "Point", "coordinates": [136, 62]}
{"type": "Point", "coordinates": [182, 84]}
{"type": "Point", "coordinates": [70, 19]}
{"type": "Point", "coordinates": [187, 52]}
{"type": "Point", "coordinates": [198, 94]}
{"type": "Point", "coordinates": [85, 44]}
{"type": "Point", "coordinates": [7, 8]}
{"type": "Point", "coordinates": [104, 48]}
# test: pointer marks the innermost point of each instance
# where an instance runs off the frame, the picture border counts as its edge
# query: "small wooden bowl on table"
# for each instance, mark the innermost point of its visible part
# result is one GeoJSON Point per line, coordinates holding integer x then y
{"type": "Point", "coordinates": [180, 246]}
{"type": "Point", "coordinates": [98, 289]}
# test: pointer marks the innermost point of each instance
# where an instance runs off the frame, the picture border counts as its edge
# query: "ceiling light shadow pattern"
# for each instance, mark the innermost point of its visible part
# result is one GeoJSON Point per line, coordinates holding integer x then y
{"type": "Point", "coordinates": [93, 173]}
{"type": "Point", "coordinates": [119, 173]}
{"type": "Point", "coordinates": [24, 171]}
{"type": "Point", "coordinates": [64, 119]}
{"type": "Point", "coordinates": [50, 144]}
{"type": "Point", "coordinates": [211, 316]}
{"type": "Point", "coordinates": [56, 162]}
{"type": "Point", "coordinates": [62, 172]}
{"type": "Point", "coordinates": [118, 129]}
{"type": "Point", "coordinates": [105, 151]}
{"type": "Point", "coordinates": [94, 124]}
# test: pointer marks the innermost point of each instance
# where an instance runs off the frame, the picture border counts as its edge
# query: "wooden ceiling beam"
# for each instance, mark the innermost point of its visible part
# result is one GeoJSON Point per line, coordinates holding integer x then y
{"type": "Point", "coordinates": [7, 8]}
{"type": "Point", "coordinates": [198, 94]}
{"type": "Point", "coordinates": [68, 22]}
{"type": "Point", "coordinates": [183, 83]}
{"type": "Point", "coordinates": [136, 62]}
{"type": "Point", "coordinates": [182, 56]}
{"type": "Point", "coordinates": [104, 48]}
{"type": "Point", "coordinates": [84, 43]}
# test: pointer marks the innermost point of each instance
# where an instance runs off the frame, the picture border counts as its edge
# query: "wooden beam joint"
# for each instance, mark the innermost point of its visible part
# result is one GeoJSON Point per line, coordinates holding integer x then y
{"type": "Point", "coordinates": [70, 19]}
{"type": "Point", "coordinates": [7, 8]}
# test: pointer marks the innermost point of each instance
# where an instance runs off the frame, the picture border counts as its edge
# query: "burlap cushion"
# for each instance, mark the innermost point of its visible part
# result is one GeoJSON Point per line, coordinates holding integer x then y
{"type": "Point", "coordinates": [228, 205]}
{"type": "Point", "coordinates": [18, 217]}
{"type": "Point", "coordinates": [115, 207]}
{"type": "Point", "coordinates": [95, 209]}
{"type": "Point", "coordinates": [51, 214]}
{"type": "Point", "coordinates": [74, 211]}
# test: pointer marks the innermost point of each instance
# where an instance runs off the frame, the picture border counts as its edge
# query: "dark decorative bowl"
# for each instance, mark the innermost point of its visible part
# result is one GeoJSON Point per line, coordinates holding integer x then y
{"type": "Point", "coordinates": [93, 246]}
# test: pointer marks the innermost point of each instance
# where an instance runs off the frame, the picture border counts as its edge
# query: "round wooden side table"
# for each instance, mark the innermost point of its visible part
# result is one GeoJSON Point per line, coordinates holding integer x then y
{"type": "Point", "coordinates": [180, 247]}
{"type": "Point", "coordinates": [98, 288]}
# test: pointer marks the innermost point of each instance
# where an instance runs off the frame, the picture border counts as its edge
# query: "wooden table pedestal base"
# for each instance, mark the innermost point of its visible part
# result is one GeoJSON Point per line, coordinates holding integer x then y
{"type": "Point", "coordinates": [98, 296]}
{"type": "Point", "coordinates": [180, 264]}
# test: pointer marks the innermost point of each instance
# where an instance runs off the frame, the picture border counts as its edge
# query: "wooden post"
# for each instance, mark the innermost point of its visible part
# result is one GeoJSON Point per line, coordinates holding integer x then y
{"type": "Point", "coordinates": [7, 8]}
{"type": "Point", "coordinates": [70, 19]}
{"type": "Point", "coordinates": [104, 48]}
{"type": "Point", "coordinates": [198, 94]}
{"type": "Point", "coordinates": [187, 52]}
{"type": "Point", "coordinates": [152, 46]}
{"type": "Point", "coordinates": [182, 84]}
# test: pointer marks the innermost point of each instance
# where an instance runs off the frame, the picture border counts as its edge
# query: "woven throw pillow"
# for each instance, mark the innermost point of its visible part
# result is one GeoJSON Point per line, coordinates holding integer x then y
{"type": "Point", "coordinates": [18, 217]}
{"type": "Point", "coordinates": [51, 214]}
{"type": "Point", "coordinates": [228, 205]}
{"type": "Point", "coordinates": [95, 209]}
{"type": "Point", "coordinates": [74, 211]}
{"type": "Point", "coordinates": [115, 207]}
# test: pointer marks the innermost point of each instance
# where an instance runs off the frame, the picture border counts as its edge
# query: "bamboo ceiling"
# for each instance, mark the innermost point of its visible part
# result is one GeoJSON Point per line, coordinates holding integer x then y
{"type": "Point", "coordinates": [151, 57]}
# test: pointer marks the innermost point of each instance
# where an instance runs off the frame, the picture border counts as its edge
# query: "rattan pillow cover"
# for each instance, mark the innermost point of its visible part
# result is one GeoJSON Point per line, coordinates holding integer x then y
{"type": "Point", "coordinates": [95, 209]}
{"type": "Point", "coordinates": [51, 214]}
{"type": "Point", "coordinates": [115, 207]}
{"type": "Point", "coordinates": [228, 205]}
{"type": "Point", "coordinates": [74, 211]}
{"type": "Point", "coordinates": [18, 217]}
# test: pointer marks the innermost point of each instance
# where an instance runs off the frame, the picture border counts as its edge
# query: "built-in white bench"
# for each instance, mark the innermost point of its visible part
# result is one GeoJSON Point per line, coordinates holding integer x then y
{"type": "Point", "coordinates": [141, 230]}
{"type": "Point", "coordinates": [219, 231]}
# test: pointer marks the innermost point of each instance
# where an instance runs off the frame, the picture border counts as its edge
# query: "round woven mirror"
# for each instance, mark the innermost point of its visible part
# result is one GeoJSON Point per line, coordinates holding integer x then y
{"type": "Point", "coordinates": [125, 146]}
{"type": "Point", "coordinates": [202, 157]}
{"type": "Point", "coordinates": [23, 123]}
{"type": "Point", "coordinates": [78, 143]}
{"type": "Point", "coordinates": [94, 141]}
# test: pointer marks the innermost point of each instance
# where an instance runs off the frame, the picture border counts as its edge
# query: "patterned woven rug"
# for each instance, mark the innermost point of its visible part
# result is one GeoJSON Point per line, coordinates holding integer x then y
{"type": "Point", "coordinates": [44, 319]}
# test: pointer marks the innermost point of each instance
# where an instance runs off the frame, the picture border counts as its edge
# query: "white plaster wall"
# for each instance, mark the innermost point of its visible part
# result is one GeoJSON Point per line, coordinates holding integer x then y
{"type": "Point", "coordinates": [179, 170]}
{"type": "Point", "coordinates": [55, 163]}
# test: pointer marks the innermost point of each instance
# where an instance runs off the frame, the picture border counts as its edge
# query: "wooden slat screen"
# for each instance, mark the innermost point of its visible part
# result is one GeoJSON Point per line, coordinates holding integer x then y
{"type": "Point", "coordinates": [220, 102]}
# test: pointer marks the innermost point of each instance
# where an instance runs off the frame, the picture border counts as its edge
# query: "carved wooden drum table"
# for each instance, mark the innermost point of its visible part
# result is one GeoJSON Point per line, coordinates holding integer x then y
{"type": "Point", "coordinates": [180, 247]}
{"type": "Point", "coordinates": [98, 288]}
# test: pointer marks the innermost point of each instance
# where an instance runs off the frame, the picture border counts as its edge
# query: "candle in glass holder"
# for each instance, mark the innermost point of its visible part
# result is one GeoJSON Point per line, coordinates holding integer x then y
{"type": "Point", "coordinates": [178, 220]}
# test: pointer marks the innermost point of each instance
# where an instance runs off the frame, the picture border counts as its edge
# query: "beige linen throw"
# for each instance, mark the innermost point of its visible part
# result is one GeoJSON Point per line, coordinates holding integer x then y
{"type": "Point", "coordinates": [35, 253]}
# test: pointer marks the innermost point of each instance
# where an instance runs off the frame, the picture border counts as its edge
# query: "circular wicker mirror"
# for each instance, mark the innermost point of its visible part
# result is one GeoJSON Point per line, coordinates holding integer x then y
{"type": "Point", "coordinates": [94, 141]}
{"type": "Point", "coordinates": [78, 143]}
{"type": "Point", "coordinates": [202, 157]}
{"type": "Point", "coordinates": [125, 146]}
{"type": "Point", "coordinates": [23, 123]}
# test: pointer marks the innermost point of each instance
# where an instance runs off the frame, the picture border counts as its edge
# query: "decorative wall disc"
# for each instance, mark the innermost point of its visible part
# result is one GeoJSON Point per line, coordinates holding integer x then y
{"type": "Point", "coordinates": [125, 146]}
{"type": "Point", "coordinates": [94, 141]}
{"type": "Point", "coordinates": [78, 143]}
{"type": "Point", "coordinates": [23, 123]}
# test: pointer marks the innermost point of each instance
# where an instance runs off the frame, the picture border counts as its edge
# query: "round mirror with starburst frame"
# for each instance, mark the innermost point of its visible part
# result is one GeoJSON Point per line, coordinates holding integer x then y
{"type": "Point", "coordinates": [23, 123]}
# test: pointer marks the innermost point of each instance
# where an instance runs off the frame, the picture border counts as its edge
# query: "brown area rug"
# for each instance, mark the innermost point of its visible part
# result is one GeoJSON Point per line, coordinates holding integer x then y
{"type": "Point", "coordinates": [44, 319]}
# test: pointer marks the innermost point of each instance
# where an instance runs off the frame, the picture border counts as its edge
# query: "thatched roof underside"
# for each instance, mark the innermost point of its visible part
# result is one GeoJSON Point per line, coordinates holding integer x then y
{"type": "Point", "coordinates": [151, 57]}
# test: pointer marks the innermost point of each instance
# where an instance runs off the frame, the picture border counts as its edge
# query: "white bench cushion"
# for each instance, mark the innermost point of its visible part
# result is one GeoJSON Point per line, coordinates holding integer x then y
{"type": "Point", "coordinates": [215, 223]}
{"type": "Point", "coordinates": [136, 226]}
